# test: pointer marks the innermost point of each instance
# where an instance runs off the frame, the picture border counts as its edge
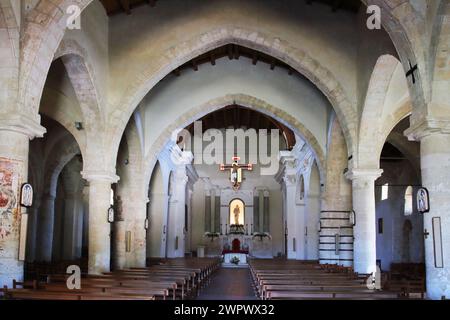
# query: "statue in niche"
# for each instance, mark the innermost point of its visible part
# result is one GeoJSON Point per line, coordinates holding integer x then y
{"type": "Point", "coordinates": [236, 213]}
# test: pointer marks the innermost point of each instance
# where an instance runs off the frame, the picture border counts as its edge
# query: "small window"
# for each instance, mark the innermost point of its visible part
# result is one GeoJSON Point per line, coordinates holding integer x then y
{"type": "Point", "coordinates": [385, 192]}
{"type": "Point", "coordinates": [409, 201]}
{"type": "Point", "coordinates": [380, 225]}
{"type": "Point", "coordinates": [301, 188]}
{"type": "Point", "coordinates": [111, 199]}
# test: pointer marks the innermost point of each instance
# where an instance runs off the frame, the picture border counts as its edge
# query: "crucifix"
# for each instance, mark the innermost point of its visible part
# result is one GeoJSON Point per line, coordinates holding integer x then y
{"type": "Point", "coordinates": [411, 71]}
{"type": "Point", "coordinates": [426, 234]}
{"type": "Point", "coordinates": [236, 171]}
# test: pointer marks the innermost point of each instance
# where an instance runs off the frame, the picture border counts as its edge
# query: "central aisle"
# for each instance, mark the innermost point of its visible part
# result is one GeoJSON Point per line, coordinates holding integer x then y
{"type": "Point", "coordinates": [229, 284]}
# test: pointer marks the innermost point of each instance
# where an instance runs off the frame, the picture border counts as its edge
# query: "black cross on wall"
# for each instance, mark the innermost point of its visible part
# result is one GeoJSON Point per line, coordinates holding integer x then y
{"type": "Point", "coordinates": [411, 72]}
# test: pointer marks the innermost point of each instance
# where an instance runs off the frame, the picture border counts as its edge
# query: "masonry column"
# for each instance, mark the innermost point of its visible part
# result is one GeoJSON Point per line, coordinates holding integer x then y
{"type": "Point", "coordinates": [217, 211]}
{"type": "Point", "coordinates": [289, 182]}
{"type": "Point", "coordinates": [73, 224]}
{"type": "Point", "coordinates": [99, 228]}
{"type": "Point", "coordinates": [176, 237]}
{"type": "Point", "coordinates": [207, 210]}
{"type": "Point", "coordinates": [364, 231]}
{"type": "Point", "coordinates": [32, 230]}
{"type": "Point", "coordinates": [45, 227]}
{"type": "Point", "coordinates": [435, 166]}
{"type": "Point", "coordinates": [266, 216]}
{"type": "Point", "coordinates": [140, 234]}
{"type": "Point", "coordinates": [256, 227]}
{"type": "Point", "coordinates": [15, 134]}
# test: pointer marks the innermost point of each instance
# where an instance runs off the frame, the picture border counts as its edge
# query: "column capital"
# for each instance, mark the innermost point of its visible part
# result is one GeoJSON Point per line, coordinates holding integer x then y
{"type": "Point", "coordinates": [104, 176]}
{"type": "Point", "coordinates": [290, 180]}
{"type": "Point", "coordinates": [426, 127]}
{"type": "Point", "coordinates": [287, 158]}
{"type": "Point", "coordinates": [372, 174]}
{"type": "Point", "coordinates": [22, 124]}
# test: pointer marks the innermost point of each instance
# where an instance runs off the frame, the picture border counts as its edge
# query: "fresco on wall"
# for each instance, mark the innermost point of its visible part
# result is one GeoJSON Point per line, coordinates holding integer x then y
{"type": "Point", "coordinates": [9, 188]}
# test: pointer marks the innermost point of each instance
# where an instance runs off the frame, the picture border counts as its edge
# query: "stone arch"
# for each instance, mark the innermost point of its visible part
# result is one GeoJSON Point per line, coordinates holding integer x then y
{"type": "Point", "coordinates": [60, 160]}
{"type": "Point", "coordinates": [441, 69]}
{"type": "Point", "coordinates": [219, 103]}
{"type": "Point", "coordinates": [404, 27]}
{"type": "Point", "coordinates": [9, 63]}
{"type": "Point", "coordinates": [44, 28]}
{"type": "Point", "coordinates": [371, 123]}
{"type": "Point", "coordinates": [47, 22]}
{"type": "Point", "coordinates": [274, 46]}
{"type": "Point", "coordinates": [82, 76]}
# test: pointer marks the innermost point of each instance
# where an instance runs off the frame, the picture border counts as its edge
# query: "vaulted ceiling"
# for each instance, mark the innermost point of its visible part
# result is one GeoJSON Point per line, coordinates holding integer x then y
{"type": "Point", "coordinates": [114, 7]}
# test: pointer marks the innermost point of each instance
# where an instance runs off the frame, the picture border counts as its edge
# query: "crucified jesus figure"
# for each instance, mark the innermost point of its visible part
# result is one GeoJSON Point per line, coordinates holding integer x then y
{"type": "Point", "coordinates": [236, 212]}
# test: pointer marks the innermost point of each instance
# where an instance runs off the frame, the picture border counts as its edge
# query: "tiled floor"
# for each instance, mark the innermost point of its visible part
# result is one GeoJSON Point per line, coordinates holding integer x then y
{"type": "Point", "coordinates": [229, 284]}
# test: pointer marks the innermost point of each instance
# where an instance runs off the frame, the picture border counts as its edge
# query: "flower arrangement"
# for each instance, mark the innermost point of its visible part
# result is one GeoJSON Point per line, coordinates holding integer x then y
{"type": "Point", "coordinates": [235, 260]}
{"type": "Point", "coordinates": [237, 229]}
{"type": "Point", "coordinates": [262, 235]}
{"type": "Point", "coordinates": [212, 235]}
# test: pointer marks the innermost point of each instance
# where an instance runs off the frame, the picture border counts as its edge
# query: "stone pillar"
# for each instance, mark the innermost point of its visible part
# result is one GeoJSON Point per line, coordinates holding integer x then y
{"type": "Point", "coordinates": [85, 236]}
{"type": "Point", "coordinates": [364, 231]}
{"type": "Point", "coordinates": [256, 226]}
{"type": "Point", "coordinates": [435, 167]}
{"type": "Point", "coordinates": [266, 212]}
{"type": "Point", "coordinates": [73, 224]}
{"type": "Point", "coordinates": [15, 134]}
{"type": "Point", "coordinates": [288, 178]}
{"type": "Point", "coordinates": [217, 212]}
{"type": "Point", "coordinates": [140, 234]}
{"type": "Point", "coordinates": [176, 236]}
{"type": "Point", "coordinates": [208, 211]}
{"type": "Point", "coordinates": [32, 230]}
{"type": "Point", "coordinates": [120, 258]}
{"type": "Point", "coordinates": [189, 194]}
{"type": "Point", "coordinates": [99, 228]}
{"type": "Point", "coordinates": [45, 227]}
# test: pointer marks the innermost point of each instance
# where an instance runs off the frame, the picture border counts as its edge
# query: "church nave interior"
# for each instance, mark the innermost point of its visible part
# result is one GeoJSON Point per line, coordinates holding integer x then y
{"type": "Point", "coordinates": [224, 149]}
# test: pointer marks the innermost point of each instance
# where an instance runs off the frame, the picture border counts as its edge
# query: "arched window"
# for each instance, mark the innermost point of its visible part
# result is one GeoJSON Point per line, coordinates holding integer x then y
{"type": "Point", "coordinates": [409, 201]}
{"type": "Point", "coordinates": [111, 197]}
{"type": "Point", "coordinates": [237, 211]}
{"type": "Point", "coordinates": [385, 191]}
{"type": "Point", "coordinates": [301, 187]}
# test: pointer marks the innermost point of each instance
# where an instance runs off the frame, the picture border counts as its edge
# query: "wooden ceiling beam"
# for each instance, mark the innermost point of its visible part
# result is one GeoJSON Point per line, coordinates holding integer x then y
{"type": "Point", "coordinates": [194, 65]}
{"type": "Point", "coordinates": [125, 4]}
{"type": "Point", "coordinates": [255, 59]}
{"type": "Point", "coordinates": [230, 51]}
{"type": "Point", "coordinates": [151, 3]}
{"type": "Point", "coordinates": [272, 64]}
{"type": "Point", "coordinates": [336, 5]}
{"type": "Point", "coordinates": [236, 52]}
{"type": "Point", "coordinates": [216, 121]}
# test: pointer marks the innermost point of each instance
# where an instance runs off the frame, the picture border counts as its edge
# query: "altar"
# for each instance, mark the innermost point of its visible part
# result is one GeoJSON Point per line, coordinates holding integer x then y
{"type": "Point", "coordinates": [234, 260]}
{"type": "Point", "coordinates": [236, 236]}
